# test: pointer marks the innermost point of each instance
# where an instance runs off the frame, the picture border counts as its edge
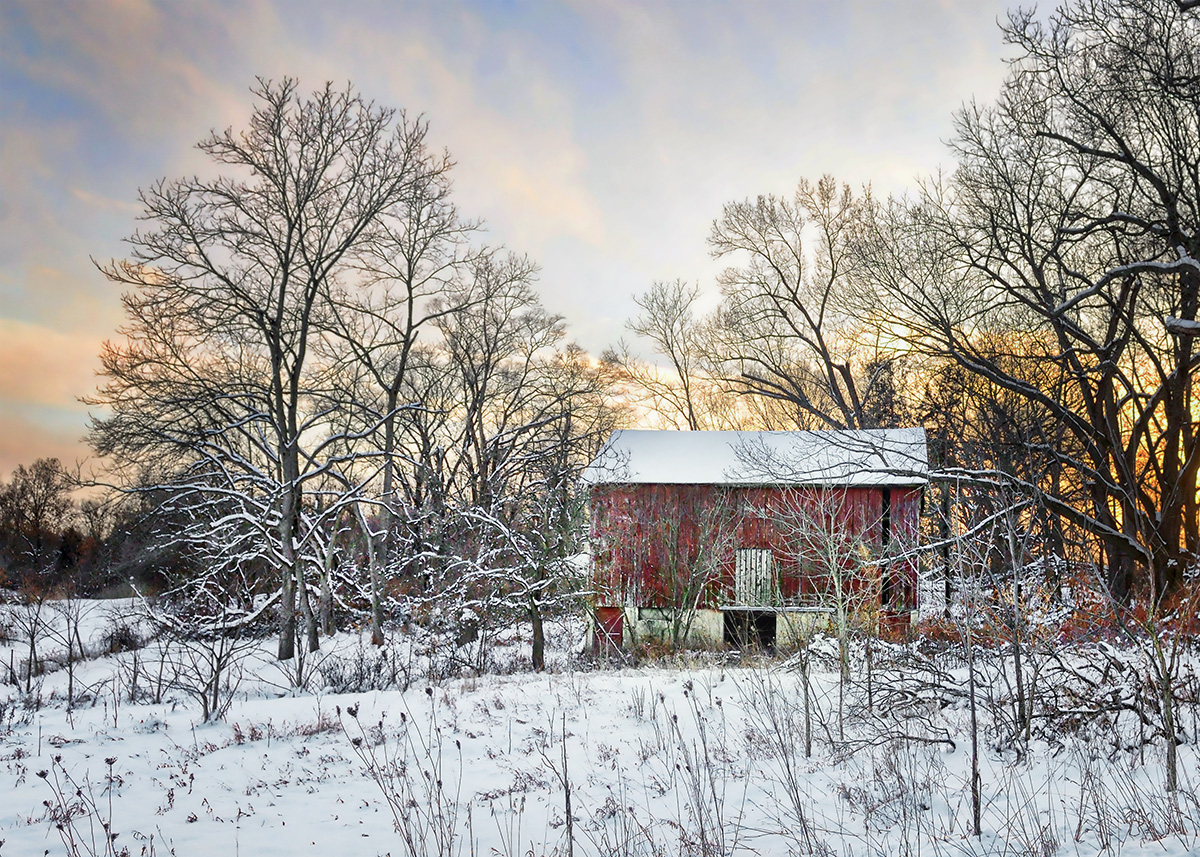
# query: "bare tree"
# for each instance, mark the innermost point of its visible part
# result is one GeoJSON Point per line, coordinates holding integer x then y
{"type": "Point", "coordinates": [788, 327]}
{"type": "Point", "coordinates": [411, 261]}
{"type": "Point", "coordinates": [689, 391]}
{"type": "Point", "coordinates": [65, 627]}
{"type": "Point", "coordinates": [795, 341]}
{"type": "Point", "coordinates": [495, 346]}
{"type": "Point", "coordinates": [1068, 232]}
{"type": "Point", "coordinates": [227, 374]}
{"type": "Point", "coordinates": [201, 650]}
{"type": "Point", "coordinates": [526, 414]}
{"type": "Point", "coordinates": [833, 545]}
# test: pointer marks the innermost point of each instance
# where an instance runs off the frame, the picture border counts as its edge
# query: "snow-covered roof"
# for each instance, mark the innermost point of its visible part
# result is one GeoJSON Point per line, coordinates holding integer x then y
{"type": "Point", "coordinates": [835, 458]}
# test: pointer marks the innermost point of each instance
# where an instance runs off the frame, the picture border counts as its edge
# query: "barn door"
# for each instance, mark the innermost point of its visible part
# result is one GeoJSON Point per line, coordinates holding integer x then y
{"type": "Point", "coordinates": [610, 623]}
{"type": "Point", "coordinates": [753, 578]}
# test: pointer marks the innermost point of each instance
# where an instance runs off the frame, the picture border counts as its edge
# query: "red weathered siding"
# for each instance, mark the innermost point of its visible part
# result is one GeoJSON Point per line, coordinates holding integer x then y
{"type": "Point", "coordinates": [647, 538]}
{"type": "Point", "coordinates": [650, 540]}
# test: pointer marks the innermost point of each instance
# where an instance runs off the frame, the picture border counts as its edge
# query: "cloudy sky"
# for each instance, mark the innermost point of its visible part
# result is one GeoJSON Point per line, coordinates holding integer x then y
{"type": "Point", "coordinates": [601, 137]}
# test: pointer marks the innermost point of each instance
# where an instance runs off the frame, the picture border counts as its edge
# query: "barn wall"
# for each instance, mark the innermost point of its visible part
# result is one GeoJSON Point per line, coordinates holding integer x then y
{"type": "Point", "coordinates": [661, 545]}
{"type": "Point", "coordinates": [672, 546]}
{"type": "Point", "coordinates": [906, 515]}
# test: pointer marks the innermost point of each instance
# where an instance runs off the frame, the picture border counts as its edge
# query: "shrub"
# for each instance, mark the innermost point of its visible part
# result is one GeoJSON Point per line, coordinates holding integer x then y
{"type": "Point", "coordinates": [364, 669]}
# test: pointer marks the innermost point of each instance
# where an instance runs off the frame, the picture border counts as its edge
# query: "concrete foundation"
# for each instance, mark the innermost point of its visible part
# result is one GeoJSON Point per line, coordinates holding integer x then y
{"type": "Point", "coordinates": [700, 629]}
{"type": "Point", "coordinates": [707, 628]}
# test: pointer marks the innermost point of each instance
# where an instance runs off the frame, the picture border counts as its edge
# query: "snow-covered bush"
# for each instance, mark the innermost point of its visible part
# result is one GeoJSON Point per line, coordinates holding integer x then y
{"type": "Point", "coordinates": [365, 668]}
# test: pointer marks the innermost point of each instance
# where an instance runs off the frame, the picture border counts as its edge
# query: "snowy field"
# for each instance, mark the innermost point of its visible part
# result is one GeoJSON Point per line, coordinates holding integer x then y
{"type": "Point", "coordinates": [695, 756]}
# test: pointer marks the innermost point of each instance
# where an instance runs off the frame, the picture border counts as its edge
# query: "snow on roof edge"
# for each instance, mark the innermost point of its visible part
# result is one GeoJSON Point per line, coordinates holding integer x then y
{"type": "Point", "coordinates": [872, 457]}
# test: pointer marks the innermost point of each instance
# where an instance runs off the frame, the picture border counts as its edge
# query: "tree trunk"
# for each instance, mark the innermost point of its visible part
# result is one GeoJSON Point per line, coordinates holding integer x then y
{"type": "Point", "coordinates": [287, 617]}
{"type": "Point", "coordinates": [804, 665]}
{"type": "Point", "coordinates": [1015, 551]}
{"type": "Point", "coordinates": [380, 553]}
{"type": "Point", "coordinates": [287, 599]}
{"type": "Point", "coordinates": [377, 547]}
{"type": "Point", "coordinates": [1166, 692]}
{"type": "Point", "coordinates": [1189, 431]}
{"type": "Point", "coordinates": [325, 602]}
{"type": "Point", "coordinates": [1191, 495]}
{"type": "Point", "coordinates": [944, 533]}
{"type": "Point", "coordinates": [1118, 574]}
{"type": "Point", "coordinates": [214, 699]}
{"type": "Point", "coordinates": [976, 809]}
{"type": "Point", "coordinates": [539, 634]}
{"type": "Point", "coordinates": [31, 665]}
{"type": "Point", "coordinates": [1168, 703]}
{"type": "Point", "coordinates": [306, 611]}
{"type": "Point", "coordinates": [375, 544]}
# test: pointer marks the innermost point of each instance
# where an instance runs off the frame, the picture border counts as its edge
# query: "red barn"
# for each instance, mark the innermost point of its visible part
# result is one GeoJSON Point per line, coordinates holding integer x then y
{"type": "Point", "coordinates": [704, 537]}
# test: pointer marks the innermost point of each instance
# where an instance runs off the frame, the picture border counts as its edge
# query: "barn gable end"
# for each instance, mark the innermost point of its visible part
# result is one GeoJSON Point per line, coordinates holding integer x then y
{"type": "Point", "coordinates": [711, 537]}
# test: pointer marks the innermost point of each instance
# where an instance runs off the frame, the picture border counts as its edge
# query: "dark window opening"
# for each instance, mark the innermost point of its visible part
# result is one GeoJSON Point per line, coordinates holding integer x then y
{"type": "Point", "coordinates": [750, 629]}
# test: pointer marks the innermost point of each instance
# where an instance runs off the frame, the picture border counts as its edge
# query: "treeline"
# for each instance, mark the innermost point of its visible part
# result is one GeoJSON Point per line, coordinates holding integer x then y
{"type": "Point", "coordinates": [56, 543]}
{"type": "Point", "coordinates": [1035, 309]}
{"type": "Point", "coordinates": [332, 396]}
{"type": "Point", "coordinates": [46, 538]}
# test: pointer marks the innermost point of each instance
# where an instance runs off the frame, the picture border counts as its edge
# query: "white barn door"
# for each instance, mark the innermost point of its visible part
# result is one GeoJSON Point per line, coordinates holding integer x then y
{"type": "Point", "coordinates": [753, 578]}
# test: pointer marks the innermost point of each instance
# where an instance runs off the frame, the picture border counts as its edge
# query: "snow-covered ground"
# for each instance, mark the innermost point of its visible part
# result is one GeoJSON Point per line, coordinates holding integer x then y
{"type": "Point", "coordinates": [697, 756]}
